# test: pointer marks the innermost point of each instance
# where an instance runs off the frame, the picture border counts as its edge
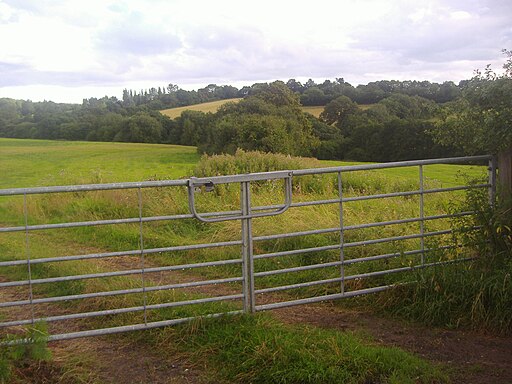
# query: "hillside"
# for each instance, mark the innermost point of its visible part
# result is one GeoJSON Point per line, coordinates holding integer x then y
{"type": "Point", "coordinates": [211, 106]}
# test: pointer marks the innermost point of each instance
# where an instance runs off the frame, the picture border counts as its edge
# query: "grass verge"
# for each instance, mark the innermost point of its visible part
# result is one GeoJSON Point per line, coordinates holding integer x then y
{"type": "Point", "coordinates": [259, 349]}
{"type": "Point", "coordinates": [471, 296]}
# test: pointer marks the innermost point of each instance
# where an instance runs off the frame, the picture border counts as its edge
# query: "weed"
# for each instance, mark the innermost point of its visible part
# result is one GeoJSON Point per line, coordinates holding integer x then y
{"type": "Point", "coordinates": [18, 352]}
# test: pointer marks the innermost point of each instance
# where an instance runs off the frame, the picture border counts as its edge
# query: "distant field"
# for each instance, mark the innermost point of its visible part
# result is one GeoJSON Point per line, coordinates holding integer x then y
{"type": "Point", "coordinates": [212, 106]}
{"type": "Point", "coordinates": [315, 111]}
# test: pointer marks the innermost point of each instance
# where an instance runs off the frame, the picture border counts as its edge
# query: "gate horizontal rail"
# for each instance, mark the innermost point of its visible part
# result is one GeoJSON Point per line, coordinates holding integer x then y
{"type": "Point", "coordinates": [241, 273]}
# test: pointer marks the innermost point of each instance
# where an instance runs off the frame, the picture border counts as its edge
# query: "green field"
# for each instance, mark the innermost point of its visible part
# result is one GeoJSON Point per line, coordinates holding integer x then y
{"type": "Point", "coordinates": [27, 163]}
{"type": "Point", "coordinates": [248, 348]}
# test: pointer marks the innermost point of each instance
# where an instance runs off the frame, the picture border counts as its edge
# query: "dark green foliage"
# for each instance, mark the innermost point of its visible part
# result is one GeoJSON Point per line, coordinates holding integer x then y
{"type": "Point", "coordinates": [397, 128]}
{"type": "Point", "coordinates": [19, 352]}
{"type": "Point", "coordinates": [103, 119]}
{"type": "Point", "coordinates": [481, 120]}
{"type": "Point", "coordinates": [268, 120]}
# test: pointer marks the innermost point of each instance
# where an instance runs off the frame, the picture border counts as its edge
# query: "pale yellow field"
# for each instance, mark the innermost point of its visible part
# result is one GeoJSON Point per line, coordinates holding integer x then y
{"type": "Point", "coordinates": [212, 106]}
{"type": "Point", "coordinates": [314, 110]}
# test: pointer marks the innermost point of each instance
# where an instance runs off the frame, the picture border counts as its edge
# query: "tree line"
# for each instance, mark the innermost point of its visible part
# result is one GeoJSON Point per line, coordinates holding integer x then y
{"type": "Point", "coordinates": [310, 93]}
{"type": "Point", "coordinates": [380, 121]}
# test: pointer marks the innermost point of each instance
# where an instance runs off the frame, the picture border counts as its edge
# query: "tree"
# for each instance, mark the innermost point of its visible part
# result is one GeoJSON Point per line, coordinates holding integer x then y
{"type": "Point", "coordinates": [481, 120]}
{"type": "Point", "coordinates": [269, 119]}
{"type": "Point", "coordinates": [338, 110]}
{"type": "Point", "coordinates": [313, 96]}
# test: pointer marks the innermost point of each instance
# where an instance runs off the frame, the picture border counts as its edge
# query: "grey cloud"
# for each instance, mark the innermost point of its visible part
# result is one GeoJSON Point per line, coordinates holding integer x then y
{"type": "Point", "coordinates": [441, 39]}
{"type": "Point", "coordinates": [21, 74]}
{"type": "Point", "coordinates": [220, 38]}
{"type": "Point", "coordinates": [134, 36]}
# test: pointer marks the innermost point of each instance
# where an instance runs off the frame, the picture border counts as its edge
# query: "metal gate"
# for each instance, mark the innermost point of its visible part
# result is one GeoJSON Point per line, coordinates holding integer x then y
{"type": "Point", "coordinates": [82, 289]}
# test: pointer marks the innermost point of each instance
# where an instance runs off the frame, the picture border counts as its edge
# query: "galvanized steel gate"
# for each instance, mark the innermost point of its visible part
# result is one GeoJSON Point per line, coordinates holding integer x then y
{"type": "Point", "coordinates": [24, 300]}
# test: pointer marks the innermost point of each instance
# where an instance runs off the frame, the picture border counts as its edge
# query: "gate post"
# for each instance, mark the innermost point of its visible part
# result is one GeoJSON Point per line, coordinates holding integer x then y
{"type": "Point", "coordinates": [505, 174]}
{"type": "Point", "coordinates": [247, 249]}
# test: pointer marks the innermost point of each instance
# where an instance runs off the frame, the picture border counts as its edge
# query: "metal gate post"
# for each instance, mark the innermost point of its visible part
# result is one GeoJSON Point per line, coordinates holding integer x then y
{"type": "Point", "coordinates": [247, 249]}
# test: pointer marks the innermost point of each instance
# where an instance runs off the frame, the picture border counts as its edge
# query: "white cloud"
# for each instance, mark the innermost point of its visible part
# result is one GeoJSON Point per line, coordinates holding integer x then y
{"type": "Point", "coordinates": [74, 45]}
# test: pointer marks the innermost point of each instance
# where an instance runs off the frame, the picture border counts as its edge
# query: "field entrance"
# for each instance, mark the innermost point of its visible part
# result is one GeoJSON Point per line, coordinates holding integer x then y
{"type": "Point", "coordinates": [98, 259]}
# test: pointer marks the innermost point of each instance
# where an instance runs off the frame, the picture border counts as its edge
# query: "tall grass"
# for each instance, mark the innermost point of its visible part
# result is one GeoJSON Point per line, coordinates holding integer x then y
{"type": "Point", "coordinates": [477, 295]}
{"type": "Point", "coordinates": [164, 201]}
{"type": "Point", "coordinates": [246, 349]}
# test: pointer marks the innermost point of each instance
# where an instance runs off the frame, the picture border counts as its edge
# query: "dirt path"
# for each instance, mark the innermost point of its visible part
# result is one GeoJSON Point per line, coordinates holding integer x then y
{"type": "Point", "coordinates": [473, 358]}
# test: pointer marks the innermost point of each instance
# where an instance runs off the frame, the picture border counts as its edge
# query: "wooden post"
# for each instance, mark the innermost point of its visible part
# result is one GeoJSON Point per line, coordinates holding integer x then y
{"type": "Point", "coordinates": [505, 175]}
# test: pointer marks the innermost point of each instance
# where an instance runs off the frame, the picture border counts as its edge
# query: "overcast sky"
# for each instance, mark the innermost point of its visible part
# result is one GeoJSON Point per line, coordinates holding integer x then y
{"type": "Point", "coordinates": [67, 50]}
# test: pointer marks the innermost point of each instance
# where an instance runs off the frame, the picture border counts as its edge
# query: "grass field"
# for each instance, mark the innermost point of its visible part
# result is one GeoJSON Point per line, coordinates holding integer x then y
{"type": "Point", "coordinates": [246, 349]}
{"type": "Point", "coordinates": [211, 106]}
{"type": "Point", "coordinates": [315, 111]}
{"type": "Point", "coordinates": [28, 163]}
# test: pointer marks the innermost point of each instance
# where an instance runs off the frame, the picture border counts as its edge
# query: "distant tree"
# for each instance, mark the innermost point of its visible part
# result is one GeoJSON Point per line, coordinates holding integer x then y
{"type": "Point", "coordinates": [140, 128]}
{"type": "Point", "coordinates": [313, 96]}
{"type": "Point", "coordinates": [269, 119]}
{"type": "Point", "coordinates": [295, 86]}
{"type": "Point", "coordinates": [338, 110]}
{"type": "Point", "coordinates": [409, 107]}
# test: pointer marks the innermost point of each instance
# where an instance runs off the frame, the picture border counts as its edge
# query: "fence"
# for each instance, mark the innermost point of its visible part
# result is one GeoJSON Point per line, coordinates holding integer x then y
{"type": "Point", "coordinates": [248, 271]}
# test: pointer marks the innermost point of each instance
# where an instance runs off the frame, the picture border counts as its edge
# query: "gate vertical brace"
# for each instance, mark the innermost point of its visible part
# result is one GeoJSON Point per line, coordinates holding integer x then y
{"type": "Point", "coordinates": [247, 249]}
{"type": "Point", "coordinates": [342, 236]}
{"type": "Point", "coordinates": [422, 216]}
{"type": "Point", "coordinates": [27, 255]}
{"type": "Point", "coordinates": [493, 165]}
{"type": "Point", "coordinates": [141, 247]}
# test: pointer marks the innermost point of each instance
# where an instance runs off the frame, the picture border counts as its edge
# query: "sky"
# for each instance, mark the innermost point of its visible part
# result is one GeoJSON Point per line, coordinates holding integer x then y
{"type": "Point", "coordinates": [68, 50]}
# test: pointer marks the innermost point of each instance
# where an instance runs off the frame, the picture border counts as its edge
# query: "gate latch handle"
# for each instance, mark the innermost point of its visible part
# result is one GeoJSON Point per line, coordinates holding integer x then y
{"type": "Point", "coordinates": [209, 185]}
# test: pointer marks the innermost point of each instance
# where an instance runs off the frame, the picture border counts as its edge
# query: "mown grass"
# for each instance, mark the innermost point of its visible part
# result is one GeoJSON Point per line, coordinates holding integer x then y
{"type": "Point", "coordinates": [314, 110]}
{"type": "Point", "coordinates": [211, 106]}
{"type": "Point", "coordinates": [29, 163]}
